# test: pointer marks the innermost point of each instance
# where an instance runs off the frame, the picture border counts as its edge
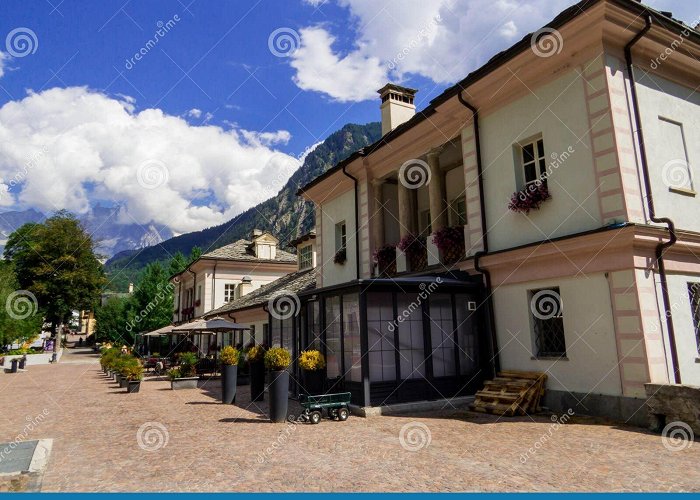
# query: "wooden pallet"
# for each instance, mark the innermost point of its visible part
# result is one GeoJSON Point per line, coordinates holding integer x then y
{"type": "Point", "coordinates": [511, 393]}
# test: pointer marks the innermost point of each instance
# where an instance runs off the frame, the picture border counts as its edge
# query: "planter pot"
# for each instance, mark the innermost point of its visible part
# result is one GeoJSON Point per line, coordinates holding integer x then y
{"type": "Point", "coordinates": [279, 395]}
{"type": "Point", "coordinates": [229, 374]}
{"type": "Point", "coordinates": [13, 364]}
{"type": "Point", "coordinates": [184, 383]}
{"type": "Point", "coordinates": [313, 382]}
{"type": "Point", "coordinates": [22, 363]}
{"type": "Point", "coordinates": [114, 376]}
{"type": "Point", "coordinates": [123, 382]}
{"type": "Point", "coordinates": [257, 381]}
{"type": "Point", "coordinates": [133, 386]}
{"type": "Point", "coordinates": [243, 379]}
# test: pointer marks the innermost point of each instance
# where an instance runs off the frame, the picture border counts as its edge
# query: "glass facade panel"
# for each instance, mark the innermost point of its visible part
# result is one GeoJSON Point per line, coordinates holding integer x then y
{"type": "Point", "coordinates": [333, 353]}
{"type": "Point", "coordinates": [411, 349]}
{"type": "Point", "coordinates": [467, 334]}
{"type": "Point", "coordinates": [351, 337]}
{"type": "Point", "coordinates": [313, 331]}
{"type": "Point", "coordinates": [287, 332]}
{"type": "Point", "coordinates": [441, 335]}
{"type": "Point", "coordinates": [380, 336]}
{"type": "Point", "coordinates": [275, 332]}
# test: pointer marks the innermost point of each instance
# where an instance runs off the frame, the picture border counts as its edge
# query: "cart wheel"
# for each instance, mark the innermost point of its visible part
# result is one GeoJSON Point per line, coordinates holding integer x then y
{"type": "Point", "coordinates": [315, 417]}
{"type": "Point", "coordinates": [343, 414]}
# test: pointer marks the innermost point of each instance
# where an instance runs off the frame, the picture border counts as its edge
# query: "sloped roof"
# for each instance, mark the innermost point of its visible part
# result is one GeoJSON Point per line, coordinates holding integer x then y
{"type": "Point", "coordinates": [295, 283]}
{"type": "Point", "coordinates": [243, 250]}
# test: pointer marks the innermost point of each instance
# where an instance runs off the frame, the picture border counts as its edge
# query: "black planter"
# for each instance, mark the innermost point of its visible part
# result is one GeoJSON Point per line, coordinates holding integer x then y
{"type": "Point", "coordinates": [123, 382]}
{"type": "Point", "coordinates": [313, 382]}
{"type": "Point", "coordinates": [279, 395]}
{"type": "Point", "coordinates": [22, 363]}
{"type": "Point", "coordinates": [229, 374]}
{"type": "Point", "coordinates": [13, 365]}
{"type": "Point", "coordinates": [257, 381]}
{"type": "Point", "coordinates": [134, 386]}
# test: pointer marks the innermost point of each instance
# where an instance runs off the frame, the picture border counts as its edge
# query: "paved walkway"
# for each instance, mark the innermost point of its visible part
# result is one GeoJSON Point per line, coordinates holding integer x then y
{"type": "Point", "coordinates": [164, 440]}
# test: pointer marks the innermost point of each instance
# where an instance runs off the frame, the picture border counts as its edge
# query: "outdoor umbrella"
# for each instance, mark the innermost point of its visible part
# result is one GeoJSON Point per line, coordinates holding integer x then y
{"type": "Point", "coordinates": [159, 332]}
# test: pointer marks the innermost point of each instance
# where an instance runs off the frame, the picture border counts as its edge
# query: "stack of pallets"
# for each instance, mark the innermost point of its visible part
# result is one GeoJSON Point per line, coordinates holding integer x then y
{"type": "Point", "coordinates": [511, 393]}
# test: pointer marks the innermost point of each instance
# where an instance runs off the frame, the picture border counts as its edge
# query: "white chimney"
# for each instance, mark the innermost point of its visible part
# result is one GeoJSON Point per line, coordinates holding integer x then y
{"type": "Point", "coordinates": [397, 106]}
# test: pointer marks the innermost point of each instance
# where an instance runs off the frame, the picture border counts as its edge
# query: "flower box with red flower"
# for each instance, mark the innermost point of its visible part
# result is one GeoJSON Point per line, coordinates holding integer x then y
{"type": "Point", "coordinates": [414, 247]}
{"type": "Point", "coordinates": [450, 242]}
{"type": "Point", "coordinates": [385, 258]}
{"type": "Point", "coordinates": [529, 198]}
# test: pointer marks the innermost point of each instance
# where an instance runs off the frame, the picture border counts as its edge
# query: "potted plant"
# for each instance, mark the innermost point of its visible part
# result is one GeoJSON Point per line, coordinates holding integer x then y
{"type": "Point", "coordinates": [340, 256]}
{"type": "Point", "coordinates": [256, 364]}
{"type": "Point", "coordinates": [450, 243]}
{"type": "Point", "coordinates": [184, 376]}
{"type": "Point", "coordinates": [229, 372]}
{"type": "Point", "coordinates": [415, 250]}
{"type": "Point", "coordinates": [385, 258]}
{"type": "Point", "coordinates": [529, 198]}
{"type": "Point", "coordinates": [312, 363]}
{"type": "Point", "coordinates": [134, 375]}
{"type": "Point", "coordinates": [127, 364]}
{"type": "Point", "coordinates": [277, 359]}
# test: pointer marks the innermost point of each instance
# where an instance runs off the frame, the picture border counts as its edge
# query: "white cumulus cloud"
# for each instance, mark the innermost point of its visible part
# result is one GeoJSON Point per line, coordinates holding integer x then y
{"type": "Point", "coordinates": [4, 58]}
{"type": "Point", "coordinates": [442, 40]}
{"type": "Point", "coordinates": [69, 147]}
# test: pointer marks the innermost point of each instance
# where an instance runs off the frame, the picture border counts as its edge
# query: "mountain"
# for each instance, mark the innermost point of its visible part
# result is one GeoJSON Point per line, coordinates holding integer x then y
{"type": "Point", "coordinates": [285, 215]}
{"type": "Point", "coordinates": [103, 223]}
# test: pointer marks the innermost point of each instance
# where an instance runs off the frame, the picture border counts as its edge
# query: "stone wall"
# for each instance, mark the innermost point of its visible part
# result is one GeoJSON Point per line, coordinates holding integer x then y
{"type": "Point", "coordinates": [673, 403]}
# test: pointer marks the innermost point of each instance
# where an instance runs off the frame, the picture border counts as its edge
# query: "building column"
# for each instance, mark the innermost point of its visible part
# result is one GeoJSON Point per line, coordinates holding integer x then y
{"type": "Point", "coordinates": [404, 201]}
{"type": "Point", "coordinates": [378, 216]}
{"type": "Point", "coordinates": [436, 189]}
{"type": "Point", "coordinates": [438, 212]}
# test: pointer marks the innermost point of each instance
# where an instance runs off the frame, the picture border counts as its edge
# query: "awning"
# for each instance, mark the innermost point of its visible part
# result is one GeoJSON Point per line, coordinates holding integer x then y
{"type": "Point", "coordinates": [213, 325]}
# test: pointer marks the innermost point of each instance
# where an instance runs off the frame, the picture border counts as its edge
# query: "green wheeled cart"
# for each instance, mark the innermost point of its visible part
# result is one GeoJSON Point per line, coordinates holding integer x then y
{"type": "Point", "coordinates": [335, 405]}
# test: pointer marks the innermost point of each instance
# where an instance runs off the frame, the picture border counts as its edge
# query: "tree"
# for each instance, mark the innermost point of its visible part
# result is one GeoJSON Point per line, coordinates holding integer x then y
{"type": "Point", "coordinates": [111, 320]}
{"type": "Point", "coordinates": [152, 301]}
{"type": "Point", "coordinates": [56, 261]}
{"type": "Point", "coordinates": [195, 253]}
{"type": "Point", "coordinates": [19, 318]}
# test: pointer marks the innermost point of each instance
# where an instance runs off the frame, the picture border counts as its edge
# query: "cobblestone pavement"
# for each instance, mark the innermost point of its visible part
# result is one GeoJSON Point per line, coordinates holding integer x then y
{"type": "Point", "coordinates": [159, 439]}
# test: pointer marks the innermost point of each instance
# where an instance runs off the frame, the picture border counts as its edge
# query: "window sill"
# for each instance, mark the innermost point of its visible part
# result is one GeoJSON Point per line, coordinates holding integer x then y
{"type": "Point", "coordinates": [683, 191]}
{"type": "Point", "coordinates": [549, 358]}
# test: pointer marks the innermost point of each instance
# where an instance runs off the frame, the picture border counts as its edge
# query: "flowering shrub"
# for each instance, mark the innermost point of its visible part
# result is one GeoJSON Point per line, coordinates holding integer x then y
{"type": "Point", "coordinates": [229, 356]}
{"type": "Point", "coordinates": [340, 256]}
{"type": "Point", "coordinates": [529, 198]}
{"type": "Point", "coordinates": [312, 360]}
{"type": "Point", "coordinates": [256, 353]}
{"type": "Point", "coordinates": [448, 238]}
{"type": "Point", "coordinates": [277, 358]}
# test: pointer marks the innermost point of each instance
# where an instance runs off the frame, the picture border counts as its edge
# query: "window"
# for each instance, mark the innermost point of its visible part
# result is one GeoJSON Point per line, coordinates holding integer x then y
{"type": "Point", "coordinates": [424, 225]}
{"type": "Point", "coordinates": [442, 335]}
{"type": "Point", "coordinates": [458, 212]}
{"type": "Point", "coordinates": [547, 322]}
{"type": "Point", "coordinates": [340, 236]}
{"type": "Point", "coordinates": [675, 169]}
{"type": "Point", "coordinates": [264, 252]}
{"type": "Point", "coordinates": [351, 338]}
{"type": "Point", "coordinates": [199, 293]}
{"type": "Point", "coordinates": [305, 257]}
{"type": "Point", "coordinates": [229, 292]}
{"type": "Point", "coordinates": [467, 334]}
{"type": "Point", "coordinates": [411, 348]}
{"type": "Point", "coordinates": [380, 336]}
{"type": "Point", "coordinates": [266, 334]}
{"type": "Point", "coordinates": [694, 292]}
{"type": "Point", "coordinates": [333, 320]}
{"type": "Point", "coordinates": [251, 335]}
{"type": "Point", "coordinates": [533, 161]}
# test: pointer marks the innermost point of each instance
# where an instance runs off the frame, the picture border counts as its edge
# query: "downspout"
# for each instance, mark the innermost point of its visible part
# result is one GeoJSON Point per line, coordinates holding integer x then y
{"type": "Point", "coordinates": [357, 221]}
{"type": "Point", "coordinates": [484, 236]}
{"type": "Point", "coordinates": [661, 247]}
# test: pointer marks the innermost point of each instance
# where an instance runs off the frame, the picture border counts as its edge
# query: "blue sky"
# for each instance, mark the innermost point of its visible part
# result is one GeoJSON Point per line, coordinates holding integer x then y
{"type": "Point", "coordinates": [214, 116]}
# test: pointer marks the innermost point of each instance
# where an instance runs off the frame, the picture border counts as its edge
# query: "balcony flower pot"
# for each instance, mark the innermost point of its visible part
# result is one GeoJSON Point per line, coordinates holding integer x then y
{"type": "Point", "coordinates": [278, 360]}
{"type": "Point", "coordinates": [450, 242]}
